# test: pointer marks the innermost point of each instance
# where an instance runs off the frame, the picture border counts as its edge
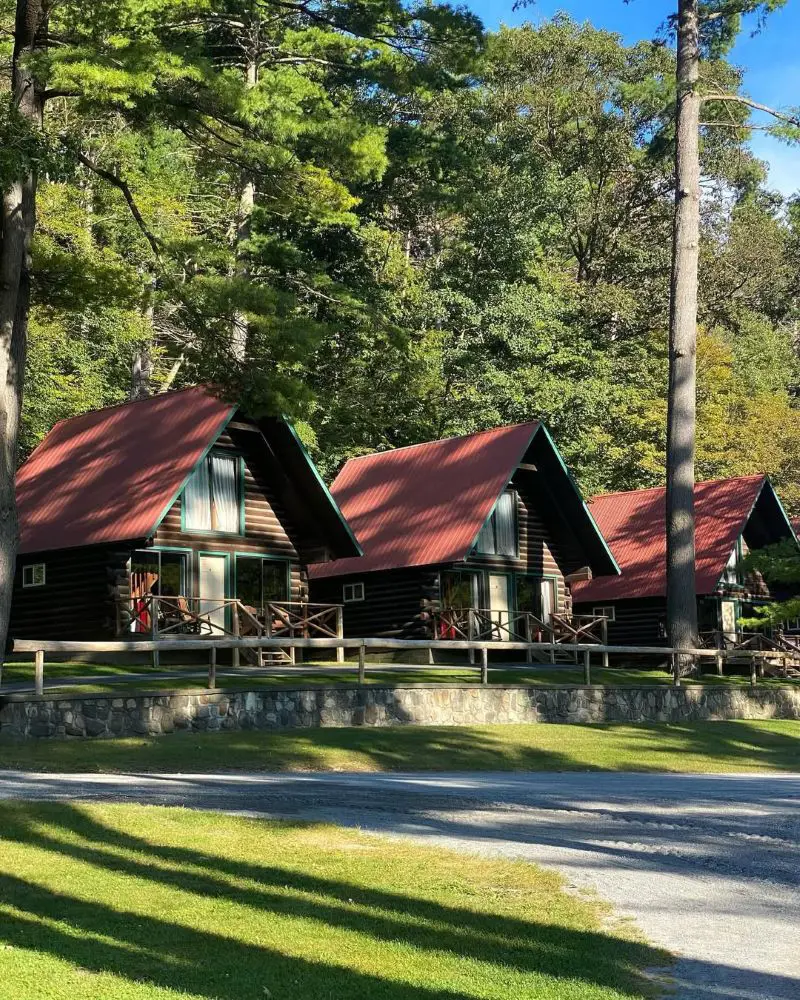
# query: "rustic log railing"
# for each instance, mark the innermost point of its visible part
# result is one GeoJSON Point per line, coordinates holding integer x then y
{"type": "Point", "coordinates": [521, 626]}
{"type": "Point", "coordinates": [179, 617]}
{"type": "Point", "coordinates": [215, 643]}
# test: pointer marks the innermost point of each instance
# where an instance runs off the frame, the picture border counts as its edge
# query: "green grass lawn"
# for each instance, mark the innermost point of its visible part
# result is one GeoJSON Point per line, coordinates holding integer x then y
{"type": "Point", "coordinates": [121, 902]}
{"type": "Point", "coordinates": [692, 747]}
{"type": "Point", "coordinates": [536, 675]}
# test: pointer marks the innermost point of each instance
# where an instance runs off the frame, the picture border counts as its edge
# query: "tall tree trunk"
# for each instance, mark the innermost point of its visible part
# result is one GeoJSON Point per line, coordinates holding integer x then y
{"type": "Point", "coordinates": [247, 200]}
{"type": "Point", "coordinates": [142, 363]}
{"type": "Point", "coordinates": [17, 222]}
{"type": "Point", "coordinates": [681, 596]}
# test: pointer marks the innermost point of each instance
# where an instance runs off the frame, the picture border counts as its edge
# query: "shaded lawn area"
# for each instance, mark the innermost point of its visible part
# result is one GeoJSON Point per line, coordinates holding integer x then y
{"type": "Point", "coordinates": [125, 902]}
{"type": "Point", "coordinates": [193, 676]}
{"type": "Point", "coordinates": [701, 747]}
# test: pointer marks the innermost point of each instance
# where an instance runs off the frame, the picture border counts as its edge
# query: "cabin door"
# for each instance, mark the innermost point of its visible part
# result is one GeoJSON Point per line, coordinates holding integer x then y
{"type": "Point", "coordinates": [499, 604]}
{"type": "Point", "coordinates": [727, 610]}
{"type": "Point", "coordinates": [212, 577]}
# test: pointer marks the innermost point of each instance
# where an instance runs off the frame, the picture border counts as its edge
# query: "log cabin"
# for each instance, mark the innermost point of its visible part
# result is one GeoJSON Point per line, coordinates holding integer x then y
{"type": "Point", "coordinates": [181, 497]}
{"type": "Point", "coordinates": [468, 537]}
{"type": "Point", "coordinates": [732, 516]}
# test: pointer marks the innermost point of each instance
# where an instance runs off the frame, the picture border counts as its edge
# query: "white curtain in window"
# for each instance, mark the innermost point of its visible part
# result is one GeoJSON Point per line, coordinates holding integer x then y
{"type": "Point", "coordinates": [225, 492]}
{"type": "Point", "coordinates": [505, 525]}
{"type": "Point", "coordinates": [197, 500]}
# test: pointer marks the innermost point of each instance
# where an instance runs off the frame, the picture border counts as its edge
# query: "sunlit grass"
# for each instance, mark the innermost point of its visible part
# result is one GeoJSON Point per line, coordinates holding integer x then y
{"type": "Point", "coordinates": [137, 903]}
{"type": "Point", "coordinates": [691, 747]}
{"type": "Point", "coordinates": [191, 676]}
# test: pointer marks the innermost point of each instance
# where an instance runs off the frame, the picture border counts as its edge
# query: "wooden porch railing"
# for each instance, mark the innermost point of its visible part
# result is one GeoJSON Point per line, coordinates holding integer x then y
{"type": "Point", "coordinates": [521, 626]}
{"type": "Point", "coordinates": [161, 616]}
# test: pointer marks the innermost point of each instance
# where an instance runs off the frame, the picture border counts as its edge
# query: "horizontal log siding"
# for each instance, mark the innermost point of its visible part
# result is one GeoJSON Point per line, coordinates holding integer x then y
{"type": "Point", "coordinates": [78, 598]}
{"type": "Point", "coordinates": [395, 602]}
{"type": "Point", "coordinates": [636, 621]}
{"type": "Point", "coordinates": [268, 526]}
{"type": "Point", "coordinates": [541, 553]}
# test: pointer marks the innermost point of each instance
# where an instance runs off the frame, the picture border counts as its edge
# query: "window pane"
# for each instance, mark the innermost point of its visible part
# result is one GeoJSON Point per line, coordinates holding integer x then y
{"type": "Point", "coordinates": [485, 541]}
{"type": "Point", "coordinates": [172, 579]}
{"type": "Point", "coordinates": [144, 573]}
{"type": "Point", "coordinates": [275, 580]}
{"type": "Point", "coordinates": [224, 493]}
{"type": "Point", "coordinates": [458, 590]}
{"type": "Point", "coordinates": [197, 500]}
{"type": "Point", "coordinates": [529, 595]}
{"type": "Point", "coordinates": [505, 525]}
{"type": "Point", "coordinates": [248, 581]}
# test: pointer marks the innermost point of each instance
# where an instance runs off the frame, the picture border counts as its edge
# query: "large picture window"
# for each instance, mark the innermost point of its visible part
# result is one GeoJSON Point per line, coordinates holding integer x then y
{"type": "Point", "coordinates": [261, 581]}
{"type": "Point", "coordinates": [162, 573]}
{"type": "Point", "coordinates": [498, 536]}
{"type": "Point", "coordinates": [212, 498]}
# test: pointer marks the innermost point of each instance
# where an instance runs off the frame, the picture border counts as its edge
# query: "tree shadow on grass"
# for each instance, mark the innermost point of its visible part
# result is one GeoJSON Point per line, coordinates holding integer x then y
{"type": "Point", "coordinates": [731, 741]}
{"type": "Point", "coordinates": [144, 947]}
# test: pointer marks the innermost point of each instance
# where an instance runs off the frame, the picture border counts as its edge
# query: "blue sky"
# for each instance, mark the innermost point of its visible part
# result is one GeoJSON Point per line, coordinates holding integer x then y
{"type": "Point", "coordinates": [771, 59]}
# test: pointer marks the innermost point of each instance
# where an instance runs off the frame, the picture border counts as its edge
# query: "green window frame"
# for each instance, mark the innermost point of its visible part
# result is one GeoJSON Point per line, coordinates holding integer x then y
{"type": "Point", "coordinates": [262, 598]}
{"type": "Point", "coordinates": [499, 535]}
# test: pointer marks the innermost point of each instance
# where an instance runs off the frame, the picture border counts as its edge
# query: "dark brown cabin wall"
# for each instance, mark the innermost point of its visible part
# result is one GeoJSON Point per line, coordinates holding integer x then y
{"type": "Point", "coordinates": [637, 622]}
{"type": "Point", "coordinates": [267, 524]}
{"type": "Point", "coordinates": [78, 598]}
{"type": "Point", "coordinates": [394, 605]}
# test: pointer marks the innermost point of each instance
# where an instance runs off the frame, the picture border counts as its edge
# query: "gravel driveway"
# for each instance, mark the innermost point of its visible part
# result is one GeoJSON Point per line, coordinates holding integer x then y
{"type": "Point", "coordinates": [707, 865]}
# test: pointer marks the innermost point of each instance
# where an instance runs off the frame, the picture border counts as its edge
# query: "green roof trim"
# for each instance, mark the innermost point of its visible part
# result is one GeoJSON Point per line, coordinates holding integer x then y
{"type": "Point", "coordinates": [329, 496]}
{"type": "Point", "coordinates": [578, 494]}
{"type": "Point", "coordinates": [541, 427]}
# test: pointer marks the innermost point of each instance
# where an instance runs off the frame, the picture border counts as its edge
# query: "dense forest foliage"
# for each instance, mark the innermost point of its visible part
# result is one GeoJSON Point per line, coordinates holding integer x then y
{"type": "Point", "coordinates": [416, 229]}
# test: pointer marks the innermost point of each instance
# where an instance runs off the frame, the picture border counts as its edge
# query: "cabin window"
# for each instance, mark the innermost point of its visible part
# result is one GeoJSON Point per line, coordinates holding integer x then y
{"type": "Point", "coordinates": [352, 592]}
{"type": "Point", "coordinates": [606, 611]}
{"type": "Point", "coordinates": [212, 498]}
{"type": "Point", "coordinates": [165, 574]}
{"type": "Point", "coordinates": [498, 536]}
{"type": "Point", "coordinates": [459, 589]}
{"type": "Point", "coordinates": [731, 572]}
{"type": "Point", "coordinates": [260, 582]}
{"type": "Point", "coordinates": [537, 595]}
{"type": "Point", "coordinates": [33, 575]}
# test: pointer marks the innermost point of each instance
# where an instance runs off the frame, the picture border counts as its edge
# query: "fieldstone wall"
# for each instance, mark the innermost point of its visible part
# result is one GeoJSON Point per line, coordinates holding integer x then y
{"type": "Point", "coordinates": [65, 717]}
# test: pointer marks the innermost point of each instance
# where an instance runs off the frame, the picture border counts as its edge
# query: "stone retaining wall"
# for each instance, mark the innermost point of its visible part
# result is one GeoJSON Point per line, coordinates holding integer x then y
{"type": "Point", "coordinates": [64, 717]}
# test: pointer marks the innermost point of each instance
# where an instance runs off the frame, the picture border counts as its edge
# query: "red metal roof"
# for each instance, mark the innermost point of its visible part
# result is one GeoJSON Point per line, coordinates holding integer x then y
{"type": "Point", "coordinates": [634, 525]}
{"type": "Point", "coordinates": [110, 475]}
{"type": "Point", "coordinates": [424, 504]}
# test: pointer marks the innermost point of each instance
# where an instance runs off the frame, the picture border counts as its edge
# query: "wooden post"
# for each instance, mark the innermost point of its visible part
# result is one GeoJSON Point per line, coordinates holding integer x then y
{"type": "Point", "coordinates": [587, 666]}
{"type": "Point", "coordinates": [753, 674]}
{"type": "Point", "coordinates": [676, 670]}
{"type": "Point", "coordinates": [38, 673]}
{"type": "Point", "coordinates": [340, 634]}
{"type": "Point", "coordinates": [471, 633]}
{"type": "Point", "coordinates": [528, 639]}
{"type": "Point", "coordinates": [431, 660]}
{"type": "Point", "coordinates": [362, 663]}
{"type": "Point", "coordinates": [212, 667]}
{"type": "Point", "coordinates": [484, 665]}
{"type": "Point", "coordinates": [719, 661]}
{"type": "Point", "coordinates": [154, 629]}
{"type": "Point", "coordinates": [236, 629]}
{"type": "Point", "coordinates": [604, 637]}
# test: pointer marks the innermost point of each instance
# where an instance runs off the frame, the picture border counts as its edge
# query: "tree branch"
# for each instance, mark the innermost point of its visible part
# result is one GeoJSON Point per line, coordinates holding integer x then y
{"type": "Point", "coordinates": [122, 186]}
{"type": "Point", "coordinates": [737, 99]}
